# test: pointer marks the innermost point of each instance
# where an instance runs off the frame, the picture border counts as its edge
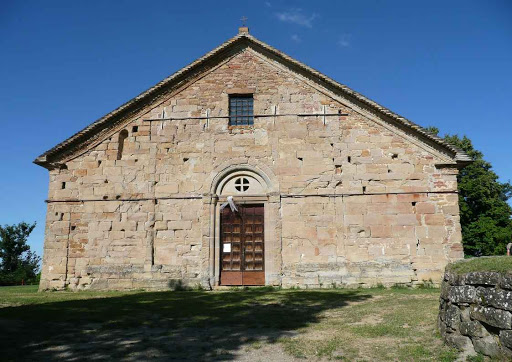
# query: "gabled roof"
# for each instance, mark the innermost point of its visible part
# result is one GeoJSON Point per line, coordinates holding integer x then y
{"type": "Point", "coordinates": [94, 131]}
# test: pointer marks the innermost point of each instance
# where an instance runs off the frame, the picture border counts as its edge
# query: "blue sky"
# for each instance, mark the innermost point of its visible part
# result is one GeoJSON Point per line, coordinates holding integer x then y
{"type": "Point", "coordinates": [64, 64]}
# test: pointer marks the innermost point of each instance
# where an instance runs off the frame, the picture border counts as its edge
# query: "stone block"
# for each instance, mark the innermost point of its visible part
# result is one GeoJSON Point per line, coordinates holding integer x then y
{"type": "Point", "coordinates": [492, 316]}
{"type": "Point", "coordinates": [501, 299]}
{"type": "Point", "coordinates": [473, 329]}
{"type": "Point", "coordinates": [452, 278]}
{"type": "Point", "coordinates": [481, 278]}
{"type": "Point", "coordinates": [462, 294]}
{"type": "Point", "coordinates": [443, 304]}
{"type": "Point", "coordinates": [434, 219]}
{"type": "Point", "coordinates": [445, 290]}
{"type": "Point", "coordinates": [506, 338]}
{"type": "Point", "coordinates": [381, 231]}
{"type": "Point", "coordinates": [487, 346]}
{"type": "Point", "coordinates": [166, 189]}
{"type": "Point", "coordinates": [462, 343]}
{"type": "Point", "coordinates": [452, 318]}
{"type": "Point", "coordinates": [425, 208]}
{"type": "Point", "coordinates": [161, 225]}
{"type": "Point", "coordinates": [180, 225]}
{"type": "Point", "coordinates": [506, 281]}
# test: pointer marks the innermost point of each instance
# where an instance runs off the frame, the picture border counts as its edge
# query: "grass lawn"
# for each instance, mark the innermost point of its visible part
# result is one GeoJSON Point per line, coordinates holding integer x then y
{"type": "Point", "coordinates": [244, 325]}
{"type": "Point", "coordinates": [501, 264]}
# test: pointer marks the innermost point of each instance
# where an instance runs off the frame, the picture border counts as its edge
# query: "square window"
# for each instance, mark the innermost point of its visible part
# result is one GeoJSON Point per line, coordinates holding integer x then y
{"type": "Point", "coordinates": [241, 110]}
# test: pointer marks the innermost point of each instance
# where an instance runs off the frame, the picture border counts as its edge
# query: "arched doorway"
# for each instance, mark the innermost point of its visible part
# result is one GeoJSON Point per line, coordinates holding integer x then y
{"type": "Point", "coordinates": [240, 257]}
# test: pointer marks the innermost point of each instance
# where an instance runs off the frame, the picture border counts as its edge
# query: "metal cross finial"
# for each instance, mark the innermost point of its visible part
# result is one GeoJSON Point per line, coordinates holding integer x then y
{"type": "Point", "coordinates": [244, 21]}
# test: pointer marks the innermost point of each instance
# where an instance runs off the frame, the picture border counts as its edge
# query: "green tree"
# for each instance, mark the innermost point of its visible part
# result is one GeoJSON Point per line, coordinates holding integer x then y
{"type": "Point", "coordinates": [17, 263]}
{"type": "Point", "coordinates": [485, 215]}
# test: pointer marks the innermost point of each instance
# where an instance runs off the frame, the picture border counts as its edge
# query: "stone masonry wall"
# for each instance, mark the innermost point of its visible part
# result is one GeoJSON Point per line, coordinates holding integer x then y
{"type": "Point", "coordinates": [360, 202]}
{"type": "Point", "coordinates": [475, 312]}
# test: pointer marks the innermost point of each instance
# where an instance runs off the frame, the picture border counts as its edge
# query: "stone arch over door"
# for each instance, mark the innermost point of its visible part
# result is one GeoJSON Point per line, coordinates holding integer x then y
{"type": "Point", "coordinates": [250, 188]}
{"type": "Point", "coordinates": [236, 166]}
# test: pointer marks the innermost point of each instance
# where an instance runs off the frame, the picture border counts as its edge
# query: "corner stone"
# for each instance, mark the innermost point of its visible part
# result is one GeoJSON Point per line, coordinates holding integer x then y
{"type": "Point", "coordinates": [445, 290]}
{"type": "Point", "coordinates": [452, 278]}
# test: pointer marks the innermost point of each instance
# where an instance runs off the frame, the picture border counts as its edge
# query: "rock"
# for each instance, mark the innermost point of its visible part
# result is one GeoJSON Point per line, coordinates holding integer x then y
{"type": "Point", "coordinates": [464, 314]}
{"type": "Point", "coordinates": [487, 346]}
{"type": "Point", "coordinates": [475, 313]}
{"type": "Point", "coordinates": [481, 278]}
{"type": "Point", "coordinates": [442, 327]}
{"type": "Point", "coordinates": [462, 343]}
{"type": "Point", "coordinates": [442, 309]}
{"type": "Point", "coordinates": [506, 281]}
{"type": "Point", "coordinates": [462, 294]}
{"type": "Point", "coordinates": [501, 299]}
{"type": "Point", "coordinates": [492, 316]}
{"type": "Point", "coordinates": [473, 329]}
{"type": "Point", "coordinates": [452, 278]}
{"type": "Point", "coordinates": [338, 354]}
{"type": "Point", "coordinates": [445, 290]}
{"type": "Point", "coordinates": [452, 317]}
{"type": "Point", "coordinates": [506, 338]}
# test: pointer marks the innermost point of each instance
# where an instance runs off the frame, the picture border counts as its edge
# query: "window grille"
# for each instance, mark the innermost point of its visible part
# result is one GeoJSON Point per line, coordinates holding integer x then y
{"type": "Point", "coordinates": [241, 110]}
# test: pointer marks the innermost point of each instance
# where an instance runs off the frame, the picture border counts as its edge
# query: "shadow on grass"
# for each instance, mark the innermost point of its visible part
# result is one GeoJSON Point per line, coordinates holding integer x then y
{"type": "Point", "coordinates": [189, 325]}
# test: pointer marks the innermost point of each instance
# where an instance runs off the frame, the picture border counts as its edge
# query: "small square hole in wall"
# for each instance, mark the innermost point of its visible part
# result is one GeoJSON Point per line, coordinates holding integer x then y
{"type": "Point", "coordinates": [73, 227]}
{"type": "Point", "coordinates": [364, 189]}
{"type": "Point", "coordinates": [185, 159]}
{"type": "Point", "coordinates": [339, 170]}
{"type": "Point", "coordinates": [63, 186]}
{"type": "Point", "coordinates": [135, 129]}
{"type": "Point", "coordinates": [349, 159]}
{"type": "Point", "coordinates": [394, 156]}
{"type": "Point", "coordinates": [414, 203]}
{"type": "Point", "coordinates": [99, 163]}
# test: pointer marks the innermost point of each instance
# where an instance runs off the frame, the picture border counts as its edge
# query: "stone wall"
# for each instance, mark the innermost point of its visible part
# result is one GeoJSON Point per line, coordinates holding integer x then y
{"type": "Point", "coordinates": [475, 313]}
{"type": "Point", "coordinates": [355, 200]}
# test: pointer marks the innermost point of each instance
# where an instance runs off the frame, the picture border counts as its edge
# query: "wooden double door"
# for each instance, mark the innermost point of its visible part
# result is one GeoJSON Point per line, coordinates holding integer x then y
{"type": "Point", "coordinates": [242, 245]}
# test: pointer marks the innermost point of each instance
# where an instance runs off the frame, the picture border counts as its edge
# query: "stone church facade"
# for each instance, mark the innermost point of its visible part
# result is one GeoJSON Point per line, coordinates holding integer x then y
{"type": "Point", "coordinates": [331, 188]}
